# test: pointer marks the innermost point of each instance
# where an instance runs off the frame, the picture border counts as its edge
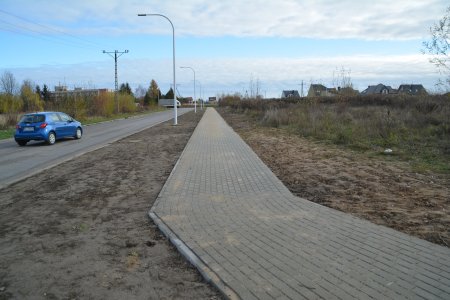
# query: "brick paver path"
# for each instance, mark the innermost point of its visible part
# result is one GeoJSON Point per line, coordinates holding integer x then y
{"type": "Point", "coordinates": [243, 226]}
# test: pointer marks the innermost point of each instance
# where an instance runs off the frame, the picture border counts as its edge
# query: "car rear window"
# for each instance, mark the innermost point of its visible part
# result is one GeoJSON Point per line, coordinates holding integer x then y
{"type": "Point", "coordinates": [32, 119]}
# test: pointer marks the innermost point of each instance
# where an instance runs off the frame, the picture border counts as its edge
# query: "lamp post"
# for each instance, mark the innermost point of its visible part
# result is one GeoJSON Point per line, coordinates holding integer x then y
{"type": "Point", "coordinates": [201, 97]}
{"type": "Point", "coordinates": [195, 101]}
{"type": "Point", "coordinates": [175, 120]}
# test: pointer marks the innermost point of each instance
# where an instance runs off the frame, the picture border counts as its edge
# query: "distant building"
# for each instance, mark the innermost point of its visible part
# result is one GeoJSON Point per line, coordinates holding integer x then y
{"type": "Point", "coordinates": [290, 94]}
{"type": "Point", "coordinates": [379, 89]}
{"type": "Point", "coordinates": [412, 89]}
{"type": "Point", "coordinates": [319, 90]}
{"type": "Point", "coordinates": [62, 92]}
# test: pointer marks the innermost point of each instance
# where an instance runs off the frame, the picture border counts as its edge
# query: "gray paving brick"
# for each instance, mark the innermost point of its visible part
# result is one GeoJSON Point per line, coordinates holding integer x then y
{"type": "Point", "coordinates": [265, 243]}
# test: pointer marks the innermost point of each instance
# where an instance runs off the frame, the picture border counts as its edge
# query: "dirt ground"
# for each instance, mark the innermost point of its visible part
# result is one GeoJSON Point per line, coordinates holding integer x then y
{"type": "Point", "coordinates": [81, 231]}
{"type": "Point", "coordinates": [379, 189]}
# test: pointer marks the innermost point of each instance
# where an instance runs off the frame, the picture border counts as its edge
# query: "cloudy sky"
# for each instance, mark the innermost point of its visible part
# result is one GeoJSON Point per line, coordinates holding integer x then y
{"type": "Point", "coordinates": [277, 43]}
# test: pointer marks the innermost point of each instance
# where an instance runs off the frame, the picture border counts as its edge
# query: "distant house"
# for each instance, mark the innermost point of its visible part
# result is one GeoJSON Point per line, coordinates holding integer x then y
{"type": "Point", "coordinates": [319, 90]}
{"type": "Point", "coordinates": [290, 94]}
{"type": "Point", "coordinates": [379, 89]}
{"type": "Point", "coordinates": [212, 99]}
{"type": "Point", "coordinates": [412, 89]}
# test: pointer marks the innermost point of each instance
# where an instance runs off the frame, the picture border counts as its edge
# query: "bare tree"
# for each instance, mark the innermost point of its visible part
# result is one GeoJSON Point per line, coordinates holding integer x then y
{"type": "Point", "coordinates": [139, 92]}
{"type": "Point", "coordinates": [8, 83]}
{"type": "Point", "coordinates": [342, 78]}
{"type": "Point", "coordinates": [258, 88]}
{"type": "Point", "coordinates": [251, 86]}
{"type": "Point", "coordinates": [254, 88]}
{"type": "Point", "coordinates": [439, 46]}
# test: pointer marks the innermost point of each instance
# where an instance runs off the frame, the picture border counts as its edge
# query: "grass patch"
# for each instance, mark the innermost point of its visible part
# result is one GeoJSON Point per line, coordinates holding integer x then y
{"type": "Point", "coordinates": [7, 133]}
{"type": "Point", "coordinates": [98, 119]}
{"type": "Point", "coordinates": [416, 129]}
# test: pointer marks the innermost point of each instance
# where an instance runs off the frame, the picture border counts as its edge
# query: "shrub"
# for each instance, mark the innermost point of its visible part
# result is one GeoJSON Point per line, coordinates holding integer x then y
{"type": "Point", "coordinates": [126, 103]}
{"type": "Point", "coordinates": [415, 126]}
{"type": "Point", "coordinates": [10, 104]}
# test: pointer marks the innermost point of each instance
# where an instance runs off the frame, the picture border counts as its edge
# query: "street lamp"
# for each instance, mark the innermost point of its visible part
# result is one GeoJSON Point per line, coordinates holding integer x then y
{"type": "Point", "coordinates": [195, 102]}
{"type": "Point", "coordinates": [201, 97]}
{"type": "Point", "coordinates": [175, 120]}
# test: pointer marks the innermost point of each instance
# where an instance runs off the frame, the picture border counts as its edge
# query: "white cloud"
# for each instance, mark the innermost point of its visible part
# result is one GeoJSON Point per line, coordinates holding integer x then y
{"type": "Point", "coordinates": [234, 75]}
{"type": "Point", "coordinates": [368, 20]}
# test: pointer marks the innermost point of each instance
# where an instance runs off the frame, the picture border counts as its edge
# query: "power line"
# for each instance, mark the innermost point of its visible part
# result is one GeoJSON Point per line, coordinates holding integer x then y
{"type": "Point", "coordinates": [16, 29]}
{"type": "Point", "coordinates": [86, 42]}
{"type": "Point", "coordinates": [116, 56]}
{"type": "Point", "coordinates": [179, 94]}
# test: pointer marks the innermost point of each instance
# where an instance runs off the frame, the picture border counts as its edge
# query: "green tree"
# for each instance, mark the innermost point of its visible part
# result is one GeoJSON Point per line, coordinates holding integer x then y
{"type": "Point", "coordinates": [169, 94]}
{"type": "Point", "coordinates": [45, 93]}
{"type": "Point", "coordinates": [31, 101]}
{"type": "Point", "coordinates": [147, 99]}
{"type": "Point", "coordinates": [438, 47]}
{"type": "Point", "coordinates": [125, 89]}
{"type": "Point", "coordinates": [154, 91]}
{"type": "Point", "coordinates": [38, 91]}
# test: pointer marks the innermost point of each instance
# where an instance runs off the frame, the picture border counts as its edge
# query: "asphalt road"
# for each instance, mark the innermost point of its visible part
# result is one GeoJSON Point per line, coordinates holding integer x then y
{"type": "Point", "coordinates": [17, 163]}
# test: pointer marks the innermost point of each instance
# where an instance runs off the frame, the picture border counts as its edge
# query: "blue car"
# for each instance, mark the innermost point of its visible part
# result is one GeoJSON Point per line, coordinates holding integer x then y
{"type": "Point", "coordinates": [46, 126]}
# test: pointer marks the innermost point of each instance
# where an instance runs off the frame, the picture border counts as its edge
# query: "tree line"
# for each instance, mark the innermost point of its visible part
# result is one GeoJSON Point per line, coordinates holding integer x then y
{"type": "Point", "coordinates": [18, 98]}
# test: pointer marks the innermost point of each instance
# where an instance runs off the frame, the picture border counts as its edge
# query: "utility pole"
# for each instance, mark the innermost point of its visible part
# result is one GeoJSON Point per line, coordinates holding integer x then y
{"type": "Point", "coordinates": [301, 93]}
{"type": "Point", "coordinates": [117, 54]}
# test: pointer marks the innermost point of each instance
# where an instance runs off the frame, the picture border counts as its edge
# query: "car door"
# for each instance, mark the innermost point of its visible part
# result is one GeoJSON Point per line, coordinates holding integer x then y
{"type": "Point", "coordinates": [67, 125]}
{"type": "Point", "coordinates": [56, 123]}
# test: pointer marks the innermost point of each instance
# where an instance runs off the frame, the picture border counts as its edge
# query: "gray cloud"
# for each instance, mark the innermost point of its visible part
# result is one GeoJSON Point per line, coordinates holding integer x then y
{"type": "Point", "coordinates": [368, 20]}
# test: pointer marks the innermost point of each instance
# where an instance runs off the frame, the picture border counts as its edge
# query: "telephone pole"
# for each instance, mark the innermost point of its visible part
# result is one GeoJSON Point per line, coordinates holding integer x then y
{"type": "Point", "coordinates": [301, 93]}
{"type": "Point", "coordinates": [117, 54]}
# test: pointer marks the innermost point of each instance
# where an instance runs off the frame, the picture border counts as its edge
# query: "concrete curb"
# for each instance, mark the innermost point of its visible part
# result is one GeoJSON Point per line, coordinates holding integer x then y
{"type": "Point", "coordinates": [206, 272]}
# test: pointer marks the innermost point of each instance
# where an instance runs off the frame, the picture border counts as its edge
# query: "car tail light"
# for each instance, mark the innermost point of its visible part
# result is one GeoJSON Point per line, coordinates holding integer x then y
{"type": "Point", "coordinates": [17, 126]}
{"type": "Point", "coordinates": [43, 125]}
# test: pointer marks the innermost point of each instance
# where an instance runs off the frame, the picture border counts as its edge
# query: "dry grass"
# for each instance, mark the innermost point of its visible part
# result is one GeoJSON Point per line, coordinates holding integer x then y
{"type": "Point", "coordinates": [417, 129]}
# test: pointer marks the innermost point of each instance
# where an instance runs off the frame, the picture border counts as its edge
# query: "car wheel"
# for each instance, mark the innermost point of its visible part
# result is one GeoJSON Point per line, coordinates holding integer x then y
{"type": "Point", "coordinates": [79, 133]}
{"type": "Point", "coordinates": [51, 138]}
{"type": "Point", "coordinates": [22, 143]}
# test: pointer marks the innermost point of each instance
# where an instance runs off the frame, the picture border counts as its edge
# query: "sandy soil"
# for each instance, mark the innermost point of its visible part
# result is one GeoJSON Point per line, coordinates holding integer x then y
{"type": "Point", "coordinates": [379, 189]}
{"type": "Point", "coordinates": [81, 230]}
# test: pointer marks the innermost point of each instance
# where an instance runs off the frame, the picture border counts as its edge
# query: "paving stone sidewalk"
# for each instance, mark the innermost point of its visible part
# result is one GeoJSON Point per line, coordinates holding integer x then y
{"type": "Point", "coordinates": [230, 215]}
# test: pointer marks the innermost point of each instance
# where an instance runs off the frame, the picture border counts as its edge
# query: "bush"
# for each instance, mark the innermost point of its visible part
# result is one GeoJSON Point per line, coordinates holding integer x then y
{"type": "Point", "coordinates": [103, 105]}
{"type": "Point", "coordinates": [10, 104]}
{"type": "Point", "coordinates": [126, 103]}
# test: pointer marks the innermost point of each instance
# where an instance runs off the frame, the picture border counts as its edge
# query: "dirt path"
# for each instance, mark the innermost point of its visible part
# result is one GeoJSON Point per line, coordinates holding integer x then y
{"type": "Point", "coordinates": [381, 190]}
{"type": "Point", "coordinates": [81, 231]}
